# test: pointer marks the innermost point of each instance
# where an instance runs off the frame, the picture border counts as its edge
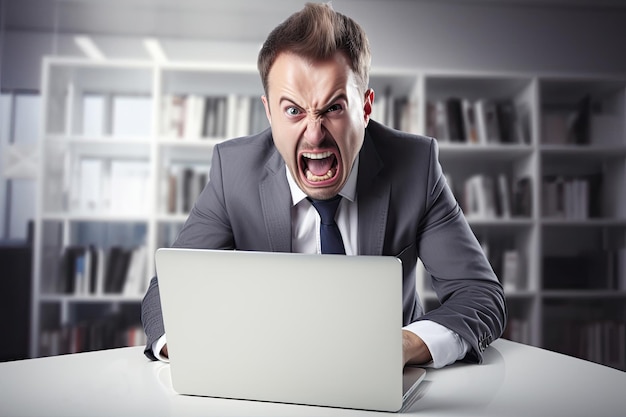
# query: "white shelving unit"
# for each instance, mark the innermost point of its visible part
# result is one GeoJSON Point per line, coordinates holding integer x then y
{"type": "Point", "coordinates": [545, 310]}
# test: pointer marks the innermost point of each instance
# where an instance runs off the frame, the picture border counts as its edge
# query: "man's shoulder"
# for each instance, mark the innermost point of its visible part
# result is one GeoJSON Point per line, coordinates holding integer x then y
{"type": "Point", "coordinates": [391, 141]}
{"type": "Point", "coordinates": [254, 142]}
{"type": "Point", "coordinates": [379, 132]}
{"type": "Point", "coordinates": [254, 152]}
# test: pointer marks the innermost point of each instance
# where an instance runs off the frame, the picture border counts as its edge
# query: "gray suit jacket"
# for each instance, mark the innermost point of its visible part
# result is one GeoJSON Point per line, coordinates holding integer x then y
{"type": "Point", "coordinates": [405, 209]}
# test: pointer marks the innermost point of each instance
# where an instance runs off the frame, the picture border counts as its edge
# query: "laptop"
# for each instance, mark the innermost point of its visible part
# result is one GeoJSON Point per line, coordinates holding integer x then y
{"type": "Point", "coordinates": [283, 327]}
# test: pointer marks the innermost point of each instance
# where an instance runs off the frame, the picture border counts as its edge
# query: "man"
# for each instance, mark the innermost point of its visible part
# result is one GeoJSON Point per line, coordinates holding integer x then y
{"type": "Point", "coordinates": [394, 197]}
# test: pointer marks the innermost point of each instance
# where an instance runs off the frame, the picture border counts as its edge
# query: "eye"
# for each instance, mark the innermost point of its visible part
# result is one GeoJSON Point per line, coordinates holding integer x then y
{"type": "Point", "coordinates": [292, 111]}
{"type": "Point", "coordinates": [334, 107]}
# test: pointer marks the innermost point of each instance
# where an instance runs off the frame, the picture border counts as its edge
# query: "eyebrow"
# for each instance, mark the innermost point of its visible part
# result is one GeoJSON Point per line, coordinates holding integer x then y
{"type": "Point", "coordinates": [334, 99]}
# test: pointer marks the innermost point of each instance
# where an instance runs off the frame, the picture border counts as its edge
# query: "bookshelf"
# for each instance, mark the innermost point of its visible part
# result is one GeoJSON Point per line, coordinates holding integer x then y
{"type": "Point", "coordinates": [152, 127]}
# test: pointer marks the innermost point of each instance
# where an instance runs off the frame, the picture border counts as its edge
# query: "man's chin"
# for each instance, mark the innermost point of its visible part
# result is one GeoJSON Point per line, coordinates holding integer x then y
{"type": "Point", "coordinates": [320, 192]}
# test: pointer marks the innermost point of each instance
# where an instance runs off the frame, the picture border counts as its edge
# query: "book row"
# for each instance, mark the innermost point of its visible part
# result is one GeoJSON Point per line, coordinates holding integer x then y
{"type": "Point", "coordinates": [600, 341]}
{"type": "Point", "coordinates": [107, 333]}
{"type": "Point", "coordinates": [593, 270]}
{"type": "Point", "coordinates": [101, 185]}
{"type": "Point", "coordinates": [90, 270]}
{"type": "Point", "coordinates": [108, 185]}
{"type": "Point", "coordinates": [565, 126]}
{"type": "Point", "coordinates": [575, 197]}
{"type": "Point", "coordinates": [398, 112]}
{"type": "Point", "coordinates": [182, 186]}
{"type": "Point", "coordinates": [194, 116]}
{"type": "Point", "coordinates": [518, 330]}
{"type": "Point", "coordinates": [478, 122]}
{"type": "Point", "coordinates": [508, 264]}
{"type": "Point", "coordinates": [486, 197]}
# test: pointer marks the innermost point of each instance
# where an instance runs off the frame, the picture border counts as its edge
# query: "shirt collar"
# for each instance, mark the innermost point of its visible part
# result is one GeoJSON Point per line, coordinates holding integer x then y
{"type": "Point", "coordinates": [348, 191]}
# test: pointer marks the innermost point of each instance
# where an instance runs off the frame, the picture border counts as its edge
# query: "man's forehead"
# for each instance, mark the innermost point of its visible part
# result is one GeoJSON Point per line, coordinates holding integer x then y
{"type": "Point", "coordinates": [292, 72]}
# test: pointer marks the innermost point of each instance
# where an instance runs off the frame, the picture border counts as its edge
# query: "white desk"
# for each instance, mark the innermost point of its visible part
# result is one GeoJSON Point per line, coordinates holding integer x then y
{"type": "Point", "coordinates": [515, 380]}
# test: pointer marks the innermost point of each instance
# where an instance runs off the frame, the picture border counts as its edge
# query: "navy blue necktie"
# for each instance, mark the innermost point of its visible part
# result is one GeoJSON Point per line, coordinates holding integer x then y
{"type": "Point", "coordinates": [329, 232]}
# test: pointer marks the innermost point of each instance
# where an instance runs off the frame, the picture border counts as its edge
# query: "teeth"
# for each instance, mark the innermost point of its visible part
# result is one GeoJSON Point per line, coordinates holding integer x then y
{"type": "Point", "coordinates": [316, 178]}
{"type": "Point", "coordinates": [322, 155]}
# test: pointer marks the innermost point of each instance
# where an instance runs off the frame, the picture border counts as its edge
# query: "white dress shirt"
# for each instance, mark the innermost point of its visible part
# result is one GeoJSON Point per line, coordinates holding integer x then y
{"type": "Point", "coordinates": [445, 346]}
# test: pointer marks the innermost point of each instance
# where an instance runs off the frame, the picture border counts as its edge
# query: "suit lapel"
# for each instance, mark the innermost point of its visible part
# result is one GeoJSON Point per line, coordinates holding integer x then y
{"type": "Point", "coordinates": [276, 204]}
{"type": "Point", "coordinates": [373, 196]}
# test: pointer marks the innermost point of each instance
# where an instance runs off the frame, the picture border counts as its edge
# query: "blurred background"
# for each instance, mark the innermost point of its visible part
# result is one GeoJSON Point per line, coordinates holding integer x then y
{"type": "Point", "coordinates": [109, 110]}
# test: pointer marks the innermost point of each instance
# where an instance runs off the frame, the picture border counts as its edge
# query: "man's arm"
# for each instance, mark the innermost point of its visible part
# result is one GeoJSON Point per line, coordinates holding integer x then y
{"type": "Point", "coordinates": [472, 299]}
{"type": "Point", "coordinates": [151, 317]}
{"type": "Point", "coordinates": [414, 350]}
{"type": "Point", "coordinates": [204, 228]}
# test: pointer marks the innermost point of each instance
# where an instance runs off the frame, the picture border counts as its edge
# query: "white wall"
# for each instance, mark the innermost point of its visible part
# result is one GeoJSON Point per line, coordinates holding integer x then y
{"type": "Point", "coordinates": [403, 33]}
{"type": "Point", "coordinates": [456, 35]}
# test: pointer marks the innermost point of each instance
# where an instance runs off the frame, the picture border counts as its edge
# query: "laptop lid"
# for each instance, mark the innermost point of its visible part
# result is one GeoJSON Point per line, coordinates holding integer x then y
{"type": "Point", "coordinates": [282, 327]}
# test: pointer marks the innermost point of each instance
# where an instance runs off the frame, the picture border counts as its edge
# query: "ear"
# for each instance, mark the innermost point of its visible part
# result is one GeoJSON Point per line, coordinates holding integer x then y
{"type": "Point", "coordinates": [368, 101]}
{"type": "Point", "coordinates": [267, 109]}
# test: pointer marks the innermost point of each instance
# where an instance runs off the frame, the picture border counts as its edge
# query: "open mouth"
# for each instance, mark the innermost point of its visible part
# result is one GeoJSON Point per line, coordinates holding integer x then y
{"type": "Point", "coordinates": [319, 167]}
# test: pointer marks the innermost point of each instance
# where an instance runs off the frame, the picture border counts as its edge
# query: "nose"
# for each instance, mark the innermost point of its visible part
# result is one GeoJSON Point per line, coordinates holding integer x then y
{"type": "Point", "coordinates": [314, 133]}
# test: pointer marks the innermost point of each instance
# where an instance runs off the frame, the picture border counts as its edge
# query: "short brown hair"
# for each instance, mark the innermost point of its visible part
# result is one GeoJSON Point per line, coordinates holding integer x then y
{"type": "Point", "coordinates": [317, 32]}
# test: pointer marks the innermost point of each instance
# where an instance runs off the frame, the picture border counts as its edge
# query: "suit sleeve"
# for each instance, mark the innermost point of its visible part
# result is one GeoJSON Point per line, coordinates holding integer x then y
{"type": "Point", "coordinates": [206, 227]}
{"type": "Point", "coordinates": [471, 297]}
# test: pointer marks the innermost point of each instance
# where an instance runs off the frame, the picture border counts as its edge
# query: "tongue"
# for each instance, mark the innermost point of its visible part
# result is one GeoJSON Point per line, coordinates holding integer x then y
{"type": "Point", "coordinates": [320, 166]}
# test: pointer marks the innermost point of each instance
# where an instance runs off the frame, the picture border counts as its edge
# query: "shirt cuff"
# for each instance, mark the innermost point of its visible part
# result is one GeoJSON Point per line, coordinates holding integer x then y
{"type": "Point", "coordinates": [445, 346]}
{"type": "Point", "coordinates": [156, 348]}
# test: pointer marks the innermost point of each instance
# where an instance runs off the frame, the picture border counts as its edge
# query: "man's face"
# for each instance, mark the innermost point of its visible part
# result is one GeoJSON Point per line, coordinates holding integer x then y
{"type": "Point", "coordinates": [318, 119]}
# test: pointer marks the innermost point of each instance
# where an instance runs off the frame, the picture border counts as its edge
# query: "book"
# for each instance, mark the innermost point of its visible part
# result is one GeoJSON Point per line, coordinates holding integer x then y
{"type": "Point", "coordinates": [93, 115]}
{"type": "Point", "coordinates": [511, 274]}
{"type": "Point", "coordinates": [507, 121]}
{"type": "Point", "coordinates": [243, 118]}
{"type": "Point", "coordinates": [173, 120]}
{"type": "Point", "coordinates": [503, 197]}
{"type": "Point", "coordinates": [487, 122]}
{"type": "Point", "coordinates": [579, 123]}
{"type": "Point", "coordinates": [522, 197]}
{"type": "Point", "coordinates": [621, 269]}
{"type": "Point", "coordinates": [132, 116]}
{"type": "Point", "coordinates": [442, 132]}
{"type": "Point", "coordinates": [71, 269]}
{"type": "Point", "coordinates": [184, 184]}
{"type": "Point", "coordinates": [258, 119]}
{"type": "Point", "coordinates": [469, 122]}
{"type": "Point", "coordinates": [554, 127]}
{"type": "Point", "coordinates": [194, 113]}
{"type": "Point", "coordinates": [91, 182]}
{"type": "Point", "coordinates": [117, 266]}
{"type": "Point", "coordinates": [135, 280]}
{"type": "Point", "coordinates": [129, 186]}
{"type": "Point", "coordinates": [479, 197]}
{"type": "Point", "coordinates": [454, 117]}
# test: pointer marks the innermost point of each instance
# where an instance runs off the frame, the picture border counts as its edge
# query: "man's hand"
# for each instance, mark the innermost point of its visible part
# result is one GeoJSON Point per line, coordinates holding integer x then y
{"type": "Point", "coordinates": [164, 351]}
{"type": "Point", "coordinates": [414, 350]}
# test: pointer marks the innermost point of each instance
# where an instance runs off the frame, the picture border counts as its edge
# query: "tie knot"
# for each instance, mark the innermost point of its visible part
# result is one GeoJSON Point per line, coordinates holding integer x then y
{"type": "Point", "coordinates": [326, 208]}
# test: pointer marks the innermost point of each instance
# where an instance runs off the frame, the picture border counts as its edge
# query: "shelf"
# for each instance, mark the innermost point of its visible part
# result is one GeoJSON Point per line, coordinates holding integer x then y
{"type": "Point", "coordinates": [586, 223]}
{"type": "Point", "coordinates": [481, 152]}
{"type": "Point", "coordinates": [172, 218]}
{"type": "Point", "coordinates": [520, 295]}
{"type": "Point", "coordinates": [193, 143]}
{"type": "Point", "coordinates": [96, 217]}
{"type": "Point", "coordinates": [101, 147]}
{"type": "Point", "coordinates": [103, 139]}
{"type": "Point", "coordinates": [583, 152]}
{"type": "Point", "coordinates": [520, 168]}
{"type": "Point", "coordinates": [102, 298]}
{"type": "Point", "coordinates": [518, 222]}
{"type": "Point", "coordinates": [583, 294]}
{"type": "Point", "coordinates": [490, 86]}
